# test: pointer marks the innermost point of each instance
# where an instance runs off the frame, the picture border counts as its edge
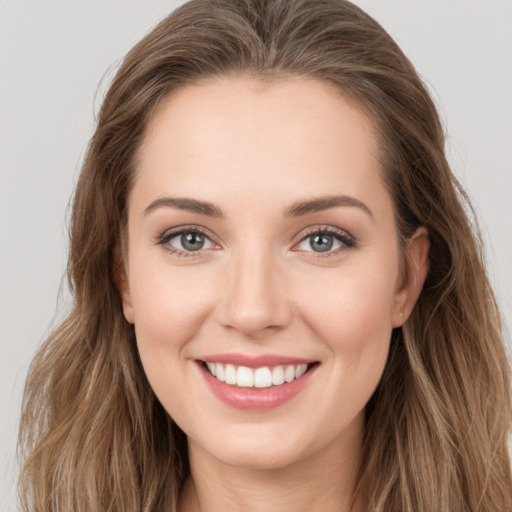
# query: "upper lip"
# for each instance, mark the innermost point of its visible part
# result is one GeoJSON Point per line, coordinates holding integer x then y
{"type": "Point", "coordinates": [254, 361]}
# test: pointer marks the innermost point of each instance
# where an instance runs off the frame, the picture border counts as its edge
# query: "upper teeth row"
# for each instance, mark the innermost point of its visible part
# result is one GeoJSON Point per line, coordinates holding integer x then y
{"type": "Point", "coordinates": [256, 377]}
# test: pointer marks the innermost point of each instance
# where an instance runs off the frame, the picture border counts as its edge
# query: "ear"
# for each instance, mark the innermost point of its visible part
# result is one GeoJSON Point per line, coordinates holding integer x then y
{"type": "Point", "coordinates": [121, 281]}
{"type": "Point", "coordinates": [416, 269]}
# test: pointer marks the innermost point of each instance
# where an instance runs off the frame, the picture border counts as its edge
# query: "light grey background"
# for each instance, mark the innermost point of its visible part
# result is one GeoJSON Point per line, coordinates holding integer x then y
{"type": "Point", "coordinates": [53, 55]}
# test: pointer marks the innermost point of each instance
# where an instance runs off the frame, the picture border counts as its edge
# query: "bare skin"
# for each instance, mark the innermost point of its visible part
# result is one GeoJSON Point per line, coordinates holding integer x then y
{"type": "Point", "coordinates": [313, 484]}
{"type": "Point", "coordinates": [294, 253]}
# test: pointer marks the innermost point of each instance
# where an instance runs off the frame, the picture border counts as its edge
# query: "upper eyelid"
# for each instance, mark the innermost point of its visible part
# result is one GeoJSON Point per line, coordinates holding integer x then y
{"type": "Point", "coordinates": [299, 237]}
{"type": "Point", "coordinates": [306, 232]}
{"type": "Point", "coordinates": [346, 240]}
{"type": "Point", "coordinates": [172, 232]}
{"type": "Point", "coordinates": [164, 239]}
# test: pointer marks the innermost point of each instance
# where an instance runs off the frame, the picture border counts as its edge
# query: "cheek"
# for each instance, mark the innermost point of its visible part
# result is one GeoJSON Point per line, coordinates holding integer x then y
{"type": "Point", "coordinates": [349, 308]}
{"type": "Point", "coordinates": [352, 320]}
{"type": "Point", "coordinates": [169, 306]}
{"type": "Point", "coordinates": [351, 315]}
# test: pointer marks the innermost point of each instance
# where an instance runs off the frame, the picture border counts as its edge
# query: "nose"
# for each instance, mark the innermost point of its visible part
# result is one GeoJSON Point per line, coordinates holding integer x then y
{"type": "Point", "coordinates": [254, 298]}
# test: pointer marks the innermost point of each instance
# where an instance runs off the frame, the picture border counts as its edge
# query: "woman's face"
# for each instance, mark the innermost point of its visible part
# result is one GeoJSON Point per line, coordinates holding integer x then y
{"type": "Point", "coordinates": [261, 240]}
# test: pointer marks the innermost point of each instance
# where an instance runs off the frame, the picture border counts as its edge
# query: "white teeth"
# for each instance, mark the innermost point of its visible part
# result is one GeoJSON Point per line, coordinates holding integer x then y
{"type": "Point", "coordinates": [300, 370]}
{"type": "Point", "coordinates": [230, 374]}
{"type": "Point", "coordinates": [212, 367]}
{"type": "Point", "coordinates": [263, 377]}
{"type": "Point", "coordinates": [220, 372]}
{"type": "Point", "coordinates": [244, 377]}
{"type": "Point", "coordinates": [289, 373]}
{"type": "Point", "coordinates": [278, 376]}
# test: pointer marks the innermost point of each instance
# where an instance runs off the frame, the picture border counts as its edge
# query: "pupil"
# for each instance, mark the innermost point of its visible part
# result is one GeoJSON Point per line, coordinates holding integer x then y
{"type": "Point", "coordinates": [322, 243]}
{"type": "Point", "coordinates": [192, 241]}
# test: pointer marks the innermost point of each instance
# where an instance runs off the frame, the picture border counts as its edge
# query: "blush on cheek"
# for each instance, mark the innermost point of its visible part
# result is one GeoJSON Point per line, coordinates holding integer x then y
{"type": "Point", "coordinates": [351, 310]}
{"type": "Point", "coordinates": [162, 325]}
{"type": "Point", "coordinates": [168, 315]}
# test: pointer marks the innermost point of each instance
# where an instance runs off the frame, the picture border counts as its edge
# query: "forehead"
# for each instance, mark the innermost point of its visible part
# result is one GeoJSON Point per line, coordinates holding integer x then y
{"type": "Point", "coordinates": [285, 138]}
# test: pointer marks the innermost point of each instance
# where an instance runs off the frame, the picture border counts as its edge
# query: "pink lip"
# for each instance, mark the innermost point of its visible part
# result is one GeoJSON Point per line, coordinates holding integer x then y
{"type": "Point", "coordinates": [254, 361]}
{"type": "Point", "coordinates": [255, 399]}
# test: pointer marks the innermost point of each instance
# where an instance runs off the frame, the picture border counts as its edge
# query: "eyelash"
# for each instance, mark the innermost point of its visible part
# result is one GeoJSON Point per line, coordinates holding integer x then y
{"type": "Point", "coordinates": [347, 241]}
{"type": "Point", "coordinates": [167, 236]}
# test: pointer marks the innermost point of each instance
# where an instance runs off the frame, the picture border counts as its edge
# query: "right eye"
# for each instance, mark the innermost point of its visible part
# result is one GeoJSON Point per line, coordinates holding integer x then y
{"type": "Point", "coordinates": [186, 242]}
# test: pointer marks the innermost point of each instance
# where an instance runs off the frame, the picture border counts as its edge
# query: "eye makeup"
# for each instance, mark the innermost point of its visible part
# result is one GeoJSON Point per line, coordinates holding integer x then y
{"type": "Point", "coordinates": [193, 241]}
{"type": "Point", "coordinates": [187, 237]}
{"type": "Point", "coordinates": [325, 241]}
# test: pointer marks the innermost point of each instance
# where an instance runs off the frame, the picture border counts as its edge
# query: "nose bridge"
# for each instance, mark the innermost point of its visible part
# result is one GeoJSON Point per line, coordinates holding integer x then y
{"type": "Point", "coordinates": [255, 299]}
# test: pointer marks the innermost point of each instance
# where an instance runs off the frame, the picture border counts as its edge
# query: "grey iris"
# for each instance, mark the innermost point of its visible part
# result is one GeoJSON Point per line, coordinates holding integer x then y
{"type": "Point", "coordinates": [192, 241]}
{"type": "Point", "coordinates": [321, 242]}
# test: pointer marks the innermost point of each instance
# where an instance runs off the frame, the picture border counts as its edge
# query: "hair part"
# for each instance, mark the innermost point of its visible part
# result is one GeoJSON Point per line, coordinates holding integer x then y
{"type": "Point", "coordinates": [93, 435]}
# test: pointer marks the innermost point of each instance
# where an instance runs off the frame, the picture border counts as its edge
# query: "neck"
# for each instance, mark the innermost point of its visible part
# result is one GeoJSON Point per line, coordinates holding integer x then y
{"type": "Point", "coordinates": [323, 481]}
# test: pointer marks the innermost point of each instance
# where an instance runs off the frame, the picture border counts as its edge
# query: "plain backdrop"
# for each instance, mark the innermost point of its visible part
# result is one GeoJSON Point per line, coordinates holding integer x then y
{"type": "Point", "coordinates": [55, 54]}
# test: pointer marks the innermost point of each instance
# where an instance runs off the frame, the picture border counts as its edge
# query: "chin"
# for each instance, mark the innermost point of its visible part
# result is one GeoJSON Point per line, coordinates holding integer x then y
{"type": "Point", "coordinates": [259, 447]}
{"type": "Point", "coordinates": [254, 458]}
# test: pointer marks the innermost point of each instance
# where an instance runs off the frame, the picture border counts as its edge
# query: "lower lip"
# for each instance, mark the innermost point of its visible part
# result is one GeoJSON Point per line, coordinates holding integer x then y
{"type": "Point", "coordinates": [256, 399]}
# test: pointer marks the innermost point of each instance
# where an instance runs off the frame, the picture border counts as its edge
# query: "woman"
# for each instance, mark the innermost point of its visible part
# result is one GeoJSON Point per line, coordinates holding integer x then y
{"type": "Point", "coordinates": [279, 299]}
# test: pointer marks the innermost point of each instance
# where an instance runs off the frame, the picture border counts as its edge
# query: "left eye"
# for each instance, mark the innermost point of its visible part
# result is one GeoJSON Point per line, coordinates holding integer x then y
{"type": "Point", "coordinates": [323, 242]}
{"type": "Point", "coordinates": [189, 241]}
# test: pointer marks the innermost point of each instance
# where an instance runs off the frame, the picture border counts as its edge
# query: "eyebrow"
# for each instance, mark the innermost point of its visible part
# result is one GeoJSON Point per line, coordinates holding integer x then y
{"type": "Point", "coordinates": [318, 204]}
{"type": "Point", "coordinates": [187, 204]}
{"type": "Point", "coordinates": [297, 209]}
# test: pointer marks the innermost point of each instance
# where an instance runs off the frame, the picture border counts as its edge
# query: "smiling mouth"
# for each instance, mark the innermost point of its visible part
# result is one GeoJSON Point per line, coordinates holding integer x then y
{"type": "Point", "coordinates": [262, 377]}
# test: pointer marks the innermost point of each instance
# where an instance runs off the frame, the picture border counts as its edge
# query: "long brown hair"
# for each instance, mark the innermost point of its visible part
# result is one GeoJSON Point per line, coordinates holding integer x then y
{"type": "Point", "coordinates": [93, 436]}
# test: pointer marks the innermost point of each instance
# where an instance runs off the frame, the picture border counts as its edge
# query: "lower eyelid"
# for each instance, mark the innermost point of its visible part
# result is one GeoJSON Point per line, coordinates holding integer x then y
{"type": "Point", "coordinates": [344, 240]}
{"type": "Point", "coordinates": [182, 253]}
